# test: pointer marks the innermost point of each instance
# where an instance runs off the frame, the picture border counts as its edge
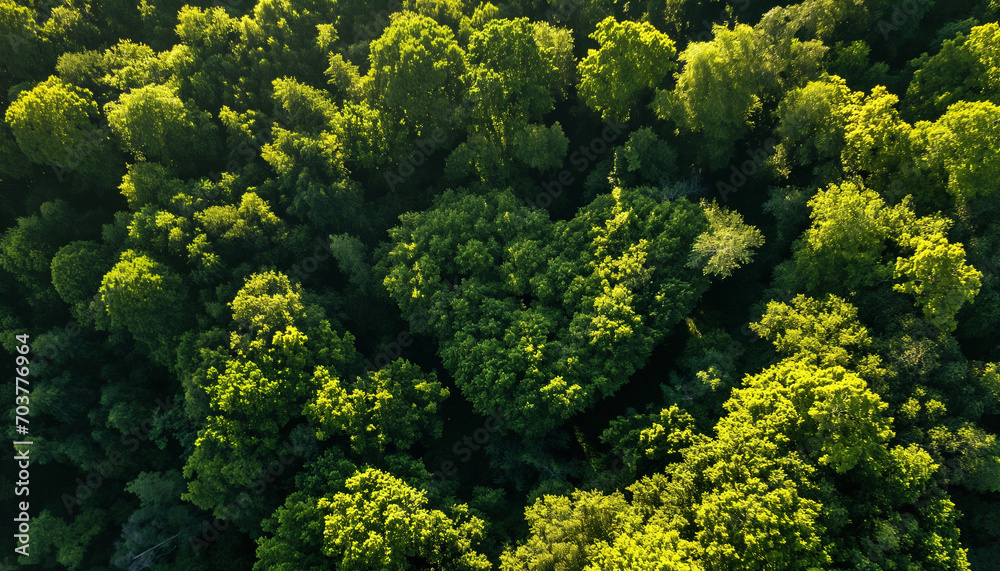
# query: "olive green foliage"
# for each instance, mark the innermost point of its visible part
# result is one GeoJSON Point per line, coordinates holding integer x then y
{"type": "Point", "coordinates": [516, 73]}
{"type": "Point", "coordinates": [727, 245]}
{"type": "Point", "coordinates": [965, 69]}
{"type": "Point", "coordinates": [153, 122]}
{"type": "Point", "coordinates": [390, 408]}
{"type": "Point", "coordinates": [541, 285]}
{"type": "Point", "coordinates": [570, 308]}
{"type": "Point", "coordinates": [725, 82]}
{"type": "Point", "coordinates": [380, 521]}
{"type": "Point", "coordinates": [613, 77]}
{"type": "Point", "coordinates": [417, 73]}
{"type": "Point", "coordinates": [52, 121]}
{"type": "Point", "coordinates": [279, 350]}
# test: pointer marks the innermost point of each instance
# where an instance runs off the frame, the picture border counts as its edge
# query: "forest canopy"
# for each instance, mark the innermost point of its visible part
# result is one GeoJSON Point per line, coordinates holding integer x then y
{"type": "Point", "coordinates": [568, 285]}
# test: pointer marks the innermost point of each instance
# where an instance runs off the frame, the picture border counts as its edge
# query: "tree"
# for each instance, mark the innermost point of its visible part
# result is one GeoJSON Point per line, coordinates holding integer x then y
{"type": "Point", "coordinates": [564, 530]}
{"type": "Point", "coordinates": [277, 352]}
{"type": "Point", "coordinates": [380, 521]}
{"type": "Point", "coordinates": [395, 406]}
{"type": "Point", "coordinates": [972, 455]}
{"type": "Point", "coordinates": [821, 332]}
{"type": "Point", "coordinates": [811, 19]}
{"type": "Point", "coordinates": [278, 39]}
{"type": "Point", "coordinates": [128, 65]}
{"type": "Point", "coordinates": [446, 12]}
{"type": "Point", "coordinates": [726, 81]}
{"type": "Point", "coordinates": [964, 70]}
{"type": "Point", "coordinates": [304, 173]}
{"type": "Point", "coordinates": [308, 152]}
{"type": "Point", "coordinates": [209, 31]}
{"type": "Point", "coordinates": [544, 319]}
{"type": "Point", "coordinates": [52, 123]}
{"type": "Point", "coordinates": [961, 141]}
{"type": "Point", "coordinates": [155, 529]}
{"type": "Point", "coordinates": [22, 52]}
{"type": "Point", "coordinates": [202, 226]}
{"type": "Point", "coordinates": [541, 148]}
{"type": "Point", "coordinates": [57, 542]}
{"type": "Point", "coordinates": [304, 109]}
{"type": "Point", "coordinates": [27, 249]}
{"type": "Point", "coordinates": [813, 120]}
{"type": "Point", "coordinates": [614, 77]}
{"type": "Point", "coordinates": [142, 296]}
{"type": "Point", "coordinates": [843, 249]}
{"type": "Point", "coordinates": [153, 122]}
{"type": "Point", "coordinates": [727, 245]}
{"type": "Point", "coordinates": [937, 275]}
{"type": "Point", "coordinates": [835, 413]}
{"type": "Point", "coordinates": [880, 146]}
{"type": "Point", "coordinates": [78, 269]}
{"type": "Point", "coordinates": [297, 542]}
{"type": "Point", "coordinates": [149, 183]}
{"type": "Point", "coordinates": [293, 536]}
{"type": "Point", "coordinates": [644, 159]}
{"type": "Point", "coordinates": [417, 71]}
{"type": "Point", "coordinates": [556, 45]}
{"type": "Point", "coordinates": [756, 496]}
{"type": "Point", "coordinates": [511, 80]}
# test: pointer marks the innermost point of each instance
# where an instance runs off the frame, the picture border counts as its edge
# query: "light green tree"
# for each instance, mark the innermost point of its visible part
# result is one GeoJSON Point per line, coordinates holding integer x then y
{"type": "Point", "coordinates": [851, 229]}
{"type": "Point", "coordinates": [52, 123]}
{"type": "Point", "coordinates": [417, 73]}
{"type": "Point", "coordinates": [511, 80]}
{"type": "Point", "coordinates": [962, 143]}
{"type": "Point", "coordinates": [727, 245]}
{"type": "Point", "coordinates": [813, 120]}
{"type": "Point", "coordinates": [381, 522]}
{"type": "Point", "coordinates": [394, 406]}
{"type": "Point", "coordinates": [938, 277]}
{"type": "Point", "coordinates": [725, 82]}
{"type": "Point", "coordinates": [142, 296]}
{"type": "Point", "coordinates": [154, 122]}
{"type": "Point", "coordinates": [633, 58]}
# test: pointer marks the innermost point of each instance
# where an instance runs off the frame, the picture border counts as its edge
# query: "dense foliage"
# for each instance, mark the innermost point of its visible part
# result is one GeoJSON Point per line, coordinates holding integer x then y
{"type": "Point", "coordinates": [549, 285]}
